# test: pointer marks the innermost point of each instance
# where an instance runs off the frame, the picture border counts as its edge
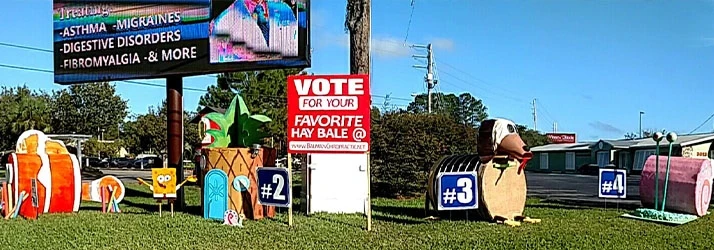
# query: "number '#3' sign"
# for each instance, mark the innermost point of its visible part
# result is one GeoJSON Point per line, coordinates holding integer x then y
{"type": "Point", "coordinates": [457, 191]}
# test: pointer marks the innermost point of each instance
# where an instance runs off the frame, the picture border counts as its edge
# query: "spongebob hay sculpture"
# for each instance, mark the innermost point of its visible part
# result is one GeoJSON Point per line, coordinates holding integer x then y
{"type": "Point", "coordinates": [164, 185]}
{"type": "Point", "coordinates": [45, 172]}
{"type": "Point", "coordinates": [228, 165]}
{"type": "Point", "coordinates": [499, 164]}
{"type": "Point", "coordinates": [683, 187]}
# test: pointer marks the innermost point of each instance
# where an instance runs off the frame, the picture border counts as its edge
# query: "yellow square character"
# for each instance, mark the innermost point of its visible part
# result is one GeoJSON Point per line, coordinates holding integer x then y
{"type": "Point", "coordinates": [164, 182]}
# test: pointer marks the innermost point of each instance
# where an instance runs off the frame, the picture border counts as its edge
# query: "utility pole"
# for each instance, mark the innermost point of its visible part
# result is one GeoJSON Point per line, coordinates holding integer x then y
{"type": "Point", "coordinates": [358, 24]}
{"type": "Point", "coordinates": [535, 116]}
{"type": "Point", "coordinates": [641, 113]}
{"type": "Point", "coordinates": [358, 21]}
{"type": "Point", "coordinates": [555, 127]}
{"type": "Point", "coordinates": [429, 78]}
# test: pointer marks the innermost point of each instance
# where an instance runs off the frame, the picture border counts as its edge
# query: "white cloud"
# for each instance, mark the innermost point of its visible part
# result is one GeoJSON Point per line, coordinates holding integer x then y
{"type": "Point", "coordinates": [708, 41]}
{"type": "Point", "coordinates": [443, 43]}
{"type": "Point", "coordinates": [390, 47]}
{"type": "Point", "coordinates": [381, 46]}
{"type": "Point", "coordinates": [387, 46]}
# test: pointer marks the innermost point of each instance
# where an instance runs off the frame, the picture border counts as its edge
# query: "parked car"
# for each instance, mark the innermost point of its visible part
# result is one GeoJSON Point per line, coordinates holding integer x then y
{"type": "Point", "coordinates": [148, 162]}
{"type": "Point", "coordinates": [283, 161]}
{"type": "Point", "coordinates": [91, 161]}
{"type": "Point", "coordinates": [120, 162]}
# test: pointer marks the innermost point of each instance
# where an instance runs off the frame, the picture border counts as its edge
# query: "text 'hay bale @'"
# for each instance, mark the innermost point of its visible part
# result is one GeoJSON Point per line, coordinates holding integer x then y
{"type": "Point", "coordinates": [689, 189]}
{"type": "Point", "coordinates": [499, 164]}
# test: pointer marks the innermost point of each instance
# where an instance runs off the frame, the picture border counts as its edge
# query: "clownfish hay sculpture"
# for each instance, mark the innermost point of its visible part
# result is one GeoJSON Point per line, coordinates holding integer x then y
{"type": "Point", "coordinates": [499, 164]}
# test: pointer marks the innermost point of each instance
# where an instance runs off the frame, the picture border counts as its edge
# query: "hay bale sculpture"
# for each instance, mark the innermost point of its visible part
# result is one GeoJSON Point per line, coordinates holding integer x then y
{"type": "Point", "coordinates": [164, 186]}
{"type": "Point", "coordinates": [228, 165]}
{"type": "Point", "coordinates": [502, 156]}
{"type": "Point", "coordinates": [675, 194]}
{"type": "Point", "coordinates": [44, 171]}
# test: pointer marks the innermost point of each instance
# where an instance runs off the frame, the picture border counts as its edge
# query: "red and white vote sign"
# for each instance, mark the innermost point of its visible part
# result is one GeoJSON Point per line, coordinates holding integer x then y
{"type": "Point", "coordinates": [328, 114]}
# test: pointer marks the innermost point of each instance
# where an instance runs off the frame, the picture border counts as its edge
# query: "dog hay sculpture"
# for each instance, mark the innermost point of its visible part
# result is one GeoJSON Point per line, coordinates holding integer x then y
{"type": "Point", "coordinates": [502, 156]}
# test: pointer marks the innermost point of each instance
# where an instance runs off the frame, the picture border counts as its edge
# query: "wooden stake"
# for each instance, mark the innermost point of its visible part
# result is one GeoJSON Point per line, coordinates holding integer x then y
{"type": "Point", "coordinates": [290, 185]}
{"type": "Point", "coordinates": [369, 198]}
{"type": "Point", "coordinates": [160, 203]}
{"type": "Point", "coordinates": [172, 207]}
{"type": "Point", "coordinates": [10, 198]}
{"type": "Point", "coordinates": [103, 197]}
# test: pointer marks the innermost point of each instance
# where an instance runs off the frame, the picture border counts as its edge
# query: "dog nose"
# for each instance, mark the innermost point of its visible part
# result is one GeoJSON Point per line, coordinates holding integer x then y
{"type": "Point", "coordinates": [526, 148]}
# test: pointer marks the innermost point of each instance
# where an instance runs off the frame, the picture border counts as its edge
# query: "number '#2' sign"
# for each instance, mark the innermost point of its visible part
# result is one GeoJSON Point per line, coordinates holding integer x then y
{"type": "Point", "coordinates": [273, 187]}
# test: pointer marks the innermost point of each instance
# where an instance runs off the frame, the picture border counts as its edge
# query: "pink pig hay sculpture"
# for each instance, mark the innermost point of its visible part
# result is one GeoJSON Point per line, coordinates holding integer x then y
{"type": "Point", "coordinates": [690, 182]}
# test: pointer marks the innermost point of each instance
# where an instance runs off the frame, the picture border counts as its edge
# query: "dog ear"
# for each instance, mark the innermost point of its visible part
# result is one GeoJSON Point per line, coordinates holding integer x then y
{"type": "Point", "coordinates": [484, 140]}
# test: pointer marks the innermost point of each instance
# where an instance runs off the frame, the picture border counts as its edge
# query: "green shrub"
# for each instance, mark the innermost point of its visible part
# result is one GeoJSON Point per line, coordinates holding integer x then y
{"type": "Point", "coordinates": [405, 146]}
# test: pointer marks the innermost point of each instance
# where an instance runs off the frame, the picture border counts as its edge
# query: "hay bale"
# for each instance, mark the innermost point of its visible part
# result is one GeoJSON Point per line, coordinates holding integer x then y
{"type": "Point", "coordinates": [502, 191]}
{"type": "Point", "coordinates": [689, 189]}
{"type": "Point", "coordinates": [236, 162]}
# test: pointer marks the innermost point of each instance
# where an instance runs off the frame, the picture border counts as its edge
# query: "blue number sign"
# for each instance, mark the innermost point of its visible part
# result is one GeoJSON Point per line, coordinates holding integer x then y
{"type": "Point", "coordinates": [613, 183]}
{"type": "Point", "coordinates": [457, 191]}
{"type": "Point", "coordinates": [273, 187]}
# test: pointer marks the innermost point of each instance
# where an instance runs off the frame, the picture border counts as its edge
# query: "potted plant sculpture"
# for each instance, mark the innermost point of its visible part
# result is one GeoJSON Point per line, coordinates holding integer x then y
{"type": "Point", "coordinates": [228, 165]}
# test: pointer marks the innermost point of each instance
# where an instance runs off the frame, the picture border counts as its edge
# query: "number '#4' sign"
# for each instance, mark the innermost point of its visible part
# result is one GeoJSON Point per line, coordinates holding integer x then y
{"type": "Point", "coordinates": [613, 183]}
{"type": "Point", "coordinates": [457, 191]}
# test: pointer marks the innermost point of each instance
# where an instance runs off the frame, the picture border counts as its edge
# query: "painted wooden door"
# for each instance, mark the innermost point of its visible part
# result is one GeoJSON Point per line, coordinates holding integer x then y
{"type": "Point", "coordinates": [215, 196]}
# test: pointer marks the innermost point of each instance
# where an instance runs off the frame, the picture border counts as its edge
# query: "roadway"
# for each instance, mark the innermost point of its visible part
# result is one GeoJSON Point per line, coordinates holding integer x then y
{"type": "Point", "coordinates": [576, 189]}
{"type": "Point", "coordinates": [563, 188]}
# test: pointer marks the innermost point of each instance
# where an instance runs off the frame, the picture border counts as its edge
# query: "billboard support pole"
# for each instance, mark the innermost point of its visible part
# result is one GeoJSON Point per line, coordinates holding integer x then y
{"type": "Point", "coordinates": [174, 131]}
{"type": "Point", "coordinates": [369, 196]}
{"type": "Point", "coordinates": [290, 185]}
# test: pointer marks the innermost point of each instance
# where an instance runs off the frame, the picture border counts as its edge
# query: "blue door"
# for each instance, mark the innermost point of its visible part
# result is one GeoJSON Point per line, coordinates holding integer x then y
{"type": "Point", "coordinates": [215, 195]}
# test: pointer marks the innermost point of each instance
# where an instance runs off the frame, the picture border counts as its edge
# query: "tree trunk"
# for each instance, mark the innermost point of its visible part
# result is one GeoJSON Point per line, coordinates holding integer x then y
{"type": "Point", "coordinates": [358, 25]}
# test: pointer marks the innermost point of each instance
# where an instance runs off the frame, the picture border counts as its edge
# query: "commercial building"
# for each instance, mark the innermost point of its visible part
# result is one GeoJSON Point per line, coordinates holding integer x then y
{"type": "Point", "coordinates": [628, 154]}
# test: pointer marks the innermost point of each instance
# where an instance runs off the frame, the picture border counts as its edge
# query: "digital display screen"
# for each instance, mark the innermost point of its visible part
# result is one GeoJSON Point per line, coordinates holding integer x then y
{"type": "Point", "coordinates": [105, 40]}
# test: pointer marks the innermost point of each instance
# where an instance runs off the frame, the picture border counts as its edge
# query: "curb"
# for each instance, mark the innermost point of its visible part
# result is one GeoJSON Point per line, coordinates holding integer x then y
{"type": "Point", "coordinates": [622, 204]}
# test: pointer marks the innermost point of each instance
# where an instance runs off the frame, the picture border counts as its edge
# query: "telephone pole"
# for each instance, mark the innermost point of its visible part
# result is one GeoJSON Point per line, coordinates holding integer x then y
{"type": "Point", "coordinates": [429, 78]}
{"type": "Point", "coordinates": [535, 116]}
{"type": "Point", "coordinates": [555, 127]}
{"type": "Point", "coordinates": [358, 23]}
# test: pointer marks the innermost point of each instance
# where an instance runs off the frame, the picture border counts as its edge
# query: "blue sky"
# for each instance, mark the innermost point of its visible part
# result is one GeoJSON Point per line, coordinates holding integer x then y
{"type": "Point", "coordinates": [591, 65]}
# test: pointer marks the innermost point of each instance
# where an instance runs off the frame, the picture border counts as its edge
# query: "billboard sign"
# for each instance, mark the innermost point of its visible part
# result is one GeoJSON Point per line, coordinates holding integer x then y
{"type": "Point", "coordinates": [328, 114]}
{"type": "Point", "coordinates": [108, 40]}
{"type": "Point", "coordinates": [560, 138]}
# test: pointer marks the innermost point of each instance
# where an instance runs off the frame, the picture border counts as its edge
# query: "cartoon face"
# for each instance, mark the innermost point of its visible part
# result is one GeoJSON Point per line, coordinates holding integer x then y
{"type": "Point", "coordinates": [204, 125]}
{"type": "Point", "coordinates": [164, 182]}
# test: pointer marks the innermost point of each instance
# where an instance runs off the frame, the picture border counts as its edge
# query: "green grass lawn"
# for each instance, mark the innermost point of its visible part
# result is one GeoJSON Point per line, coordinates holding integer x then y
{"type": "Point", "coordinates": [397, 225]}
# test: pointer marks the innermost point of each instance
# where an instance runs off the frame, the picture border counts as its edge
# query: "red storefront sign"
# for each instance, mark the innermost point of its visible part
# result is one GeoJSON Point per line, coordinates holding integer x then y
{"type": "Point", "coordinates": [328, 114]}
{"type": "Point", "coordinates": [560, 138]}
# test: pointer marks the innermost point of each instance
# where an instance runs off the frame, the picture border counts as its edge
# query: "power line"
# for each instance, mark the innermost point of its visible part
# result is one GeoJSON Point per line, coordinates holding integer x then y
{"type": "Point", "coordinates": [162, 86]}
{"type": "Point", "coordinates": [548, 115]}
{"type": "Point", "coordinates": [411, 14]}
{"type": "Point", "coordinates": [467, 82]}
{"type": "Point", "coordinates": [705, 122]}
{"type": "Point", "coordinates": [25, 47]}
{"type": "Point", "coordinates": [483, 82]}
{"type": "Point", "coordinates": [136, 82]}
